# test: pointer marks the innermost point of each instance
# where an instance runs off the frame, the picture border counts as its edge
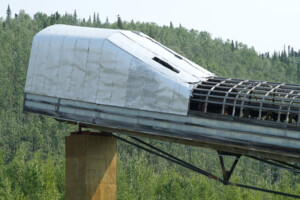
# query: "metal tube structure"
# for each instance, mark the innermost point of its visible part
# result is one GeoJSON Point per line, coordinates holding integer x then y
{"type": "Point", "coordinates": [273, 103]}
{"type": "Point", "coordinates": [126, 82]}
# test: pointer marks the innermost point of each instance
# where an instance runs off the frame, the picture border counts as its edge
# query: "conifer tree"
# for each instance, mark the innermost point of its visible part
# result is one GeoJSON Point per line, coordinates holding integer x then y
{"type": "Point", "coordinates": [232, 45]}
{"type": "Point", "coordinates": [8, 14]}
{"type": "Point", "coordinates": [89, 22]}
{"type": "Point", "coordinates": [75, 17]}
{"type": "Point", "coordinates": [94, 18]}
{"type": "Point", "coordinates": [292, 52]}
{"type": "Point", "coordinates": [57, 16]}
{"type": "Point", "coordinates": [119, 23]}
{"type": "Point", "coordinates": [106, 22]}
{"type": "Point", "coordinates": [98, 22]}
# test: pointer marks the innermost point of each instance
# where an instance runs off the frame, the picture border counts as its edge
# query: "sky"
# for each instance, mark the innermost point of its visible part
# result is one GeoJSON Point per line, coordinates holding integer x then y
{"type": "Point", "coordinates": [266, 25]}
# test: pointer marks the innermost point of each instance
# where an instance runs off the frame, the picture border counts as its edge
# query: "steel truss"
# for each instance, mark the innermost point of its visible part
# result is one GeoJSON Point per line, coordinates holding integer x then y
{"type": "Point", "coordinates": [226, 173]}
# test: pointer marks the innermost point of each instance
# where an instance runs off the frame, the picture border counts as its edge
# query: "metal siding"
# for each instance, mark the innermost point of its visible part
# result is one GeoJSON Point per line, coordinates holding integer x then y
{"type": "Point", "coordinates": [107, 71]}
{"type": "Point", "coordinates": [109, 67]}
{"type": "Point", "coordinates": [133, 92]}
{"type": "Point", "coordinates": [79, 69]}
{"type": "Point", "coordinates": [92, 70]}
{"type": "Point", "coordinates": [119, 87]}
{"type": "Point", "coordinates": [176, 105]}
{"type": "Point", "coordinates": [30, 71]}
{"type": "Point", "coordinates": [43, 51]}
{"type": "Point", "coordinates": [165, 95]}
{"type": "Point", "coordinates": [141, 53]}
{"type": "Point", "coordinates": [149, 92]}
{"type": "Point", "coordinates": [189, 71]}
{"type": "Point", "coordinates": [52, 65]}
{"type": "Point", "coordinates": [65, 67]}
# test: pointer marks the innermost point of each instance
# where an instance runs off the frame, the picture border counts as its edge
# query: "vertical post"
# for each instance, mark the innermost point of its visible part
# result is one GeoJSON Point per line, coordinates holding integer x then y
{"type": "Point", "coordinates": [91, 167]}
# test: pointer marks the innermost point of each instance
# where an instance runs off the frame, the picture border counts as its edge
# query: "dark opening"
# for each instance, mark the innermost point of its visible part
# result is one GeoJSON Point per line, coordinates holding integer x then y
{"type": "Point", "coordinates": [177, 56]}
{"type": "Point", "coordinates": [165, 64]}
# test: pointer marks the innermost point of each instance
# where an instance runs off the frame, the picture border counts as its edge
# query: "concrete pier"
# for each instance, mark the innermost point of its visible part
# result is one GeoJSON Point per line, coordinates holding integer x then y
{"type": "Point", "coordinates": [91, 167]}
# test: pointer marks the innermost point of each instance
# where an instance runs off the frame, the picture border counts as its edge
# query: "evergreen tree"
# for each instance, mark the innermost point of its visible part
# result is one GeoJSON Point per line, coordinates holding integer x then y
{"type": "Point", "coordinates": [119, 23]}
{"type": "Point", "coordinates": [94, 18]}
{"type": "Point", "coordinates": [106, 22]}
{"type": "Point", "coordinates": [98, 20]}
{"type": "Point", "coordinates": [274, 57]}
{"type": "Point", "coordinates": [52, 19]}
{"type": "Point", "coordinates": [75, 16]}
{"type": "Point", "coordinates": [57, 16]}
{"type": "Point", "coordinates": [8, 14]}
{"type": "Point", "coordinates": [292, 52]}
{"type": "Point", "coordinates": [89, 22]}
{"type": "Point", "coordinates": [283, 56]}
{"type": "Point", "coordinates": [232, 45]}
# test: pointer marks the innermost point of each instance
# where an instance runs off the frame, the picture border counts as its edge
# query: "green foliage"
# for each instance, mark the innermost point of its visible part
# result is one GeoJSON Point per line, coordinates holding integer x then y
{"type": "Point", "coordinates": [32, 161]}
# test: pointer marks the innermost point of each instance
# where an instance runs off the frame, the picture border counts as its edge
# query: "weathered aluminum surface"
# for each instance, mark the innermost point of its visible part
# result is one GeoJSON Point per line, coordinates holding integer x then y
{"type": "Point", "coordinates": [278, 141]}
{"type": "Point", "coordinates": [111, 67]}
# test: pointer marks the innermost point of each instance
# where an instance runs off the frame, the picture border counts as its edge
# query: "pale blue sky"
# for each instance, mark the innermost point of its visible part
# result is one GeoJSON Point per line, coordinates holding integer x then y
{"type": "Point", "coordinates": [267, 25]}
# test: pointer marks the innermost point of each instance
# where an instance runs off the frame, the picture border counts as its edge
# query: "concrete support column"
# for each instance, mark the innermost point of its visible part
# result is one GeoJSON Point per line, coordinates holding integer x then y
{"type": "Point", "coordinates": [91, 167]}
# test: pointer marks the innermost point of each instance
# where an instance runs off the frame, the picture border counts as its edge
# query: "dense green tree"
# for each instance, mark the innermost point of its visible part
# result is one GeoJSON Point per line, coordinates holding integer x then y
{"type": "Point", "coordinates": [232, 45]}
{"type": "Point", "coordinates": [75, 15]}
{"type": "Point", "coordinates": [106, 23]}
{"type": "Point", "coordinates": [8, 14]}
{"type": "Point", "coordinates": [98, 21]}
{"type": "Point", "coordinates": [171, 25]}
{"type": "Point", "coordinates": [119, 22]}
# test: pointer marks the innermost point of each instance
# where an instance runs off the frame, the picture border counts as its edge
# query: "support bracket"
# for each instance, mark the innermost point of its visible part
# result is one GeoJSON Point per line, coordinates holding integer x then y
{"type": "Point", "coordinates": [227, 174]}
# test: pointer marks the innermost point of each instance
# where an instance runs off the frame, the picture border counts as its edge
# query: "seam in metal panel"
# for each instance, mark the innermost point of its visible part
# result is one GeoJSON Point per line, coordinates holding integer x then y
{"type": "Point", "coordinates": [59, 65]}
{"type": "Point", "coordinates": [45, 71]}
{"type": "Point", "coordinates": [86, 67]}
{"type": "Point", "coordinates": [99, 76]}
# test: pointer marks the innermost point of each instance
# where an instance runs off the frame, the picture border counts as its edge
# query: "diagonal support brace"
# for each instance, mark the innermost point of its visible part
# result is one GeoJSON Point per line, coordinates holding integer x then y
{"type": "Point", "coordinates": [227, 174]}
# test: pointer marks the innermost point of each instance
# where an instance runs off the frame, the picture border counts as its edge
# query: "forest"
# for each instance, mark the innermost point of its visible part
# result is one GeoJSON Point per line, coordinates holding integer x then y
{"type": "Point", "coordinates": [32, 151]}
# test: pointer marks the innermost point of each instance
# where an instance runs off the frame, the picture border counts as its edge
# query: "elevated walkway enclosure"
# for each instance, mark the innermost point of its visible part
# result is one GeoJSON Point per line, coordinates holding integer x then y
{"type": "Point", "coordinates": [124, 81]}
{"type": "Point", "coordinates": [110, 67]}
{"type": "Point", "coordinates": [260, 100]}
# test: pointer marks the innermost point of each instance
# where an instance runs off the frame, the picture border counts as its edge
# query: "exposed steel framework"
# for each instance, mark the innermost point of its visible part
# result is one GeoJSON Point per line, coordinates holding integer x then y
{"type": "Point", "coordinates": [226, 174]}
{"type": "Point", "coordinates": [268, 101]}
